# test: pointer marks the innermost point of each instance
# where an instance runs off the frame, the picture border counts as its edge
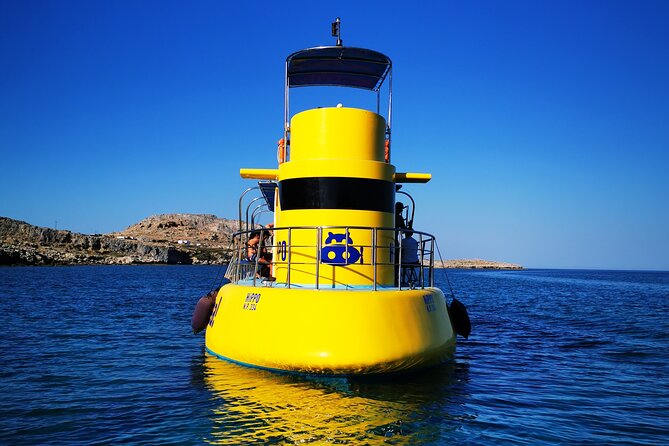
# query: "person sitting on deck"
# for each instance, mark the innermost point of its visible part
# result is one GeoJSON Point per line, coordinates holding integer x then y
{"type": "Point", "coordinates": [264, 252]}
{"type": "Point", "coordinates": [254, 253]}
{"type": "Point", "coordinates": [409, 249]}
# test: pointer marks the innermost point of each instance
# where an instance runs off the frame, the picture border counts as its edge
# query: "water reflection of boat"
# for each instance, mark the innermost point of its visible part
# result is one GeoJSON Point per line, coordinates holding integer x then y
{"type": "Point", "coordinates": [341, 299]}
{"type": "Point", "coordinates": [255, 406]}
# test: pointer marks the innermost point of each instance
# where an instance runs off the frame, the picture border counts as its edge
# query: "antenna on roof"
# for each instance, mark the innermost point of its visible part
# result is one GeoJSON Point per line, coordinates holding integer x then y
{"type": "Point", "coordinates": [336, 31]}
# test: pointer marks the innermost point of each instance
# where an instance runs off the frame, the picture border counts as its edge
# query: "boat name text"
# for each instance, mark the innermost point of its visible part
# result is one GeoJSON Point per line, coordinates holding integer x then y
{"type": "Point", "coordinates": [251, 301]}
{"type": "Point", "coordinates": [429, 303]}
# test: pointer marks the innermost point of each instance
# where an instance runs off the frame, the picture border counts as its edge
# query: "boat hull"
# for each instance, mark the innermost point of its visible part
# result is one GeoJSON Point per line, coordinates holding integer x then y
{"type": "Point", "coordinates": [331, 331]}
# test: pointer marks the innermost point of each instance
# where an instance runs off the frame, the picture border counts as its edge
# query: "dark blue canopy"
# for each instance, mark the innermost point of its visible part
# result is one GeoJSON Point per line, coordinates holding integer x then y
{"type": "Point", "coordinates": [268, 189]}
{"type": "Point", "coordinates": [338, 66]}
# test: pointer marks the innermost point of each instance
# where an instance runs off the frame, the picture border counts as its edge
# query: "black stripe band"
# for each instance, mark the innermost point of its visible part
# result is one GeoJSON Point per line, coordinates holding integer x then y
{"type": "Point", "coordinates": [362, 194]}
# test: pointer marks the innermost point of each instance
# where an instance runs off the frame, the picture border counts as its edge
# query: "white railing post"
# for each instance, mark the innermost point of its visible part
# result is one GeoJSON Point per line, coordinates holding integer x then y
{"type": "Point", "coordinates": [374, 256]}
{"type": "Point", "coordinates": [319, 234]}
{"type": "Point", "coordinates": [289, 248]}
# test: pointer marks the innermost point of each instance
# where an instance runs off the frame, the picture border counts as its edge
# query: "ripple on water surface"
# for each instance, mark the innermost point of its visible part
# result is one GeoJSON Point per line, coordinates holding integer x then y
{"type": "Point", "coordinates": [105, 354]}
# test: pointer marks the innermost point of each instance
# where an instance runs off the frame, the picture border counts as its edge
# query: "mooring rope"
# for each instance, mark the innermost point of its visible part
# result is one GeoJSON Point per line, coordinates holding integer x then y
{"type": "Point", "coordinates": [218, 281]}
{"type": "Point", "coordinates": [444, 268]}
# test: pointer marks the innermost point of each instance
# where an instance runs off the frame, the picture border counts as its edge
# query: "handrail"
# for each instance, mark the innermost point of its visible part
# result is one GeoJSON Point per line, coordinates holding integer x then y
{"type": "Point", "coordinates": [247, 211]}
{"type": "Point", "coordinates": [257, 212]}
{"type": "Point", "coordinates": [241, 269]}
{"type": "Point", "coordinates": [241, 198]}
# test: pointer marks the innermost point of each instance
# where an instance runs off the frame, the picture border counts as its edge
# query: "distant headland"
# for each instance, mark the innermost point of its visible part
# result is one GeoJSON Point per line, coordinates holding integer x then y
{"type": "Point", "coordinates": [159, 239]}
{"type": "Point", "coordinates": [475, 264]}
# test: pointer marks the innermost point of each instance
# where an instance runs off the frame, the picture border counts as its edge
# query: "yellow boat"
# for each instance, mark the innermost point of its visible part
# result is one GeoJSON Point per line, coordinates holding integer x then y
{"type": "Point", "coordinates": [339, 296]}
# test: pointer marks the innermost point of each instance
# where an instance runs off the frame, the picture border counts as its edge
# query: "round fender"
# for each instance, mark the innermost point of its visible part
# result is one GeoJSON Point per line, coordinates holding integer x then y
{"type": "Point", "coordinates": [202, 311]}
{"type": "Point", "coordinates": [460, 318]}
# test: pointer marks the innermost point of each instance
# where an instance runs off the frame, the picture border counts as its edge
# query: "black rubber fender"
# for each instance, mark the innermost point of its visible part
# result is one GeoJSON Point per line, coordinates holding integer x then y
{"type": "Point", "coordinates": [460, 318]}
{"type": "Point", "coordinates": [203, 310]}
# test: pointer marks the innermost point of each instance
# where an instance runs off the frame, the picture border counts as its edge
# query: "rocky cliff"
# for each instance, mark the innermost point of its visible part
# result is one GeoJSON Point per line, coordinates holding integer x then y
{"type": "Point", "coordinates": [190, 229]}
{"type": "Point", "coordinates": [170, 239]}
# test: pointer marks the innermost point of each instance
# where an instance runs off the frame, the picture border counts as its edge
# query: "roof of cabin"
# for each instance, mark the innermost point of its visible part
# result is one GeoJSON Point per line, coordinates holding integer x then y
{"type": "Point", "coordinates": [338, 66]}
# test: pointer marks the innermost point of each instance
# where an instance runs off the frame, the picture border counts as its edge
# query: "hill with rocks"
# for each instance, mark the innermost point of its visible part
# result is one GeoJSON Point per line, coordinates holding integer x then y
{"type": "Point", "coordinates": [188, 230]}
{"type": "Point", "coordinates": [164, 239]}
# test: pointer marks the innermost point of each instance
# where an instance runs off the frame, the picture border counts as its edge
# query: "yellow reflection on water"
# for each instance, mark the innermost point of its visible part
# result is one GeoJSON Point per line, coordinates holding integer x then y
{"type": "Point", "coordinates": [260, 407]}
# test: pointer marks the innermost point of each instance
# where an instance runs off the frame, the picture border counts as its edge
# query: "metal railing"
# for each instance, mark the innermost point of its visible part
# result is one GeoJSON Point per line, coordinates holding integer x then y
{"type": "Point", "coordinates": [392, 266]}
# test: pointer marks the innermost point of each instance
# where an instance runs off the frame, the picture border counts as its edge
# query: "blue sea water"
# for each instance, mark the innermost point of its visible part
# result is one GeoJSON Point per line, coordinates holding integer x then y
{"type": "Point", "coordinates": [104, 354]}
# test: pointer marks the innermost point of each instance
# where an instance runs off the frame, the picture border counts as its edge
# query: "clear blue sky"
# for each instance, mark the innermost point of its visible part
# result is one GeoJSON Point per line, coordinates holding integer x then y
{"type": "Point", "coordinates": [545, 124]}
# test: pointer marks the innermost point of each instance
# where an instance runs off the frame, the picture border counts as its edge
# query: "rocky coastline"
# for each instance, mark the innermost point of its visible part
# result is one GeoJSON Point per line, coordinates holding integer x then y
{"type": "Point", "coordinates": [160, 239]}
{"type": "Point", "coordinates": [165, 239]}
{"type": "Point", "coordinates": [475, 264]}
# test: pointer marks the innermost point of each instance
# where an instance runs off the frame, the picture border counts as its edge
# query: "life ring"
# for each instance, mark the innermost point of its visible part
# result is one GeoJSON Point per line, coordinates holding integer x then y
{"type": "Point", "coordinates": [386, 152]}
{"type": "Point", "coordinates": [281, 151]}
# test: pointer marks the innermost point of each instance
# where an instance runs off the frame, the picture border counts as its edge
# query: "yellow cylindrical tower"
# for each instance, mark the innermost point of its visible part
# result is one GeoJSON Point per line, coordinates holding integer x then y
{"type": "Point", "coordinates": [336, 179]}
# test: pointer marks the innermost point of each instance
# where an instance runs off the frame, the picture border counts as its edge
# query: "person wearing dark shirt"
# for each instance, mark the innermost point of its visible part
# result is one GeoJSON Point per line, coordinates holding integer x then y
{"type": "Point", "coordinates": [399, 219]}
{"type": "Point", "coordinates": [409, 249]}
{"type": "Point", "coordinates": [400, 225]}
